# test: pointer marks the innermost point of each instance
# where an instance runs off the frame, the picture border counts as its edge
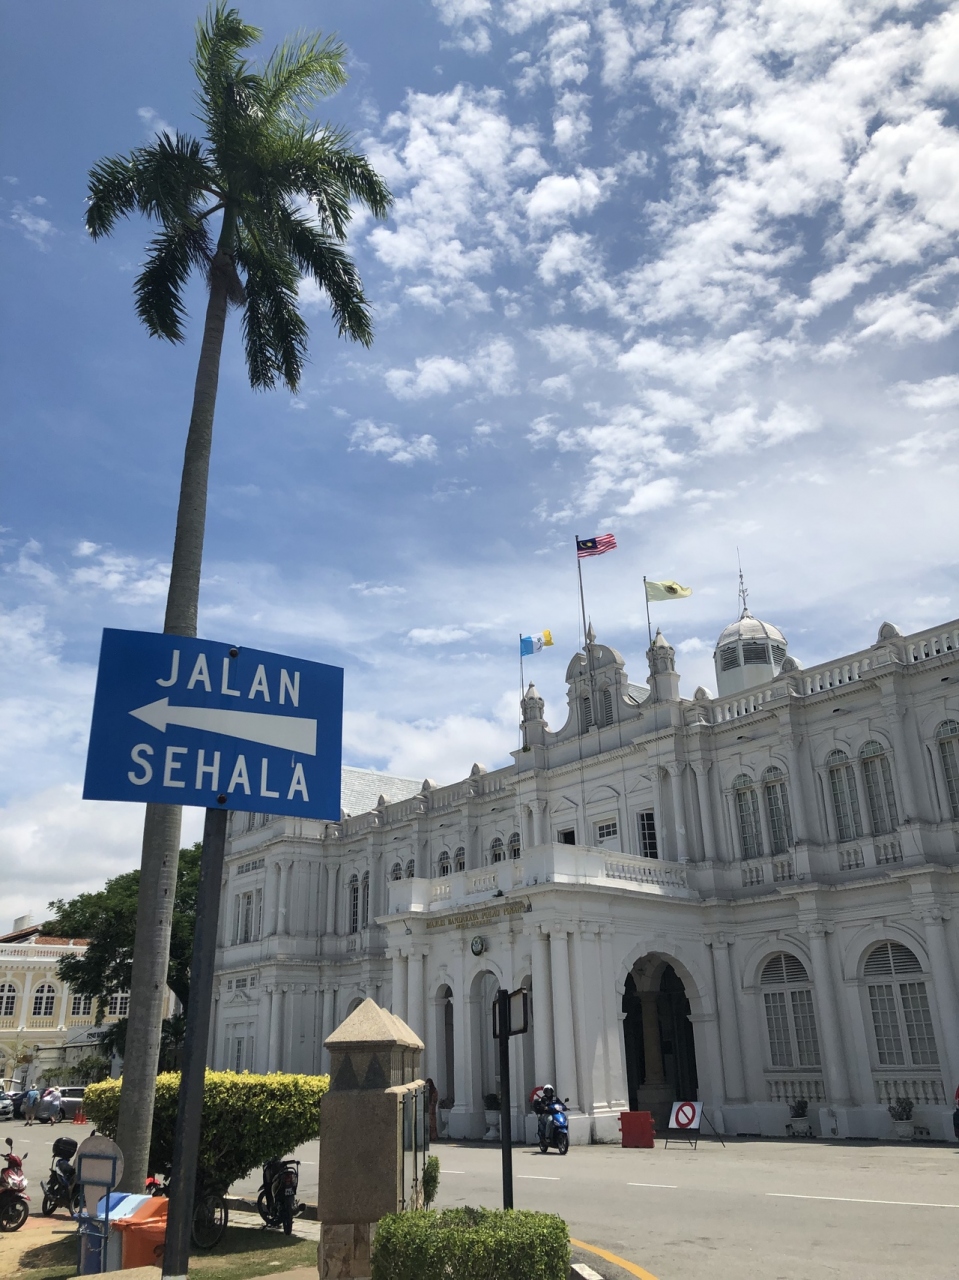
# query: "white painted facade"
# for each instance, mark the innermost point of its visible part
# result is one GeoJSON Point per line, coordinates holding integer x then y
{"type": "Point", "coordinates": [747, 898]}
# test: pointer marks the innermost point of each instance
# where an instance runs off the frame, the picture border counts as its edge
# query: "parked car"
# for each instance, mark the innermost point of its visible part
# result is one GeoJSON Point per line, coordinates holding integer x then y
{"type": "Point", "coordinates": [71, 1101]}
{"type": "Point", "coordinates": [6, 1106]}
{"type": "Point", "coordinates": [18, 1098]}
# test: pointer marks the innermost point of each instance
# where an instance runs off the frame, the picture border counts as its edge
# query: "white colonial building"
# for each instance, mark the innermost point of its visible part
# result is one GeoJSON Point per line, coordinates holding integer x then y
{"type": "Point", "coordinates": [749, 898]}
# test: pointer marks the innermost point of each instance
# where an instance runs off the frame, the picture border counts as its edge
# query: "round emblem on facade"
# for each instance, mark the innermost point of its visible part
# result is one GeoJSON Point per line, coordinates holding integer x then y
{"type": "Point", "coordinates": [477, 946]}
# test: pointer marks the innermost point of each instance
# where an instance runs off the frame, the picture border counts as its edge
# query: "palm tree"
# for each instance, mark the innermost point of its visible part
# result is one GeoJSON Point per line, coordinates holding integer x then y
{"type": "Point", "coordinates": [280, 188]}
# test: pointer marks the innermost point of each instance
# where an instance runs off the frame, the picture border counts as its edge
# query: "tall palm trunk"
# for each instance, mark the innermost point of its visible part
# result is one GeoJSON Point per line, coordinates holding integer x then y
{"type": "Point", "coordinates": [161, 827]}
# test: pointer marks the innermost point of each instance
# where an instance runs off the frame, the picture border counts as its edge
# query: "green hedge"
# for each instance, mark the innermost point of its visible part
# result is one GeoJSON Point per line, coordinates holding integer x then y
{"type": "Point", "coordinates": [471, 1244]}
{"type": "Point", "coordinates": [246, 1120]}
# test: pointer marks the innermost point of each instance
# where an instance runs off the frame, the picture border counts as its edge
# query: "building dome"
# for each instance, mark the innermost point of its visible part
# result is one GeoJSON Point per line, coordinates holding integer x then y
{"type": "Point", "coordinates": [749, 652]}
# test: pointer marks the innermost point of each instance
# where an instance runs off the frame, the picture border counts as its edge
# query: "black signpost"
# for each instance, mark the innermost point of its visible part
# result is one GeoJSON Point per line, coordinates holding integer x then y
{"type": "Point", "coordinates": [510, 1018]}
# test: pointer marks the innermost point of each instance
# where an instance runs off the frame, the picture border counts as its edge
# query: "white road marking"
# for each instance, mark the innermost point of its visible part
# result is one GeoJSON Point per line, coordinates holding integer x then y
{"type": "Point", "coordinates": [669, 1186]}
{"type": "Point", "coordinates": [453, 1171]}
{"type": "Point", "coordinates": [537, 1177]}
{"type": "Point", "coordinates": [909, 1204]}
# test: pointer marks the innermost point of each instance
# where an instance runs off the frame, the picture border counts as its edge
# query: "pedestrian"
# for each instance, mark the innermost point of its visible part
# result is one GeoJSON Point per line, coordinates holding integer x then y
{"type": "Point", "coordinates": [30, 1103]}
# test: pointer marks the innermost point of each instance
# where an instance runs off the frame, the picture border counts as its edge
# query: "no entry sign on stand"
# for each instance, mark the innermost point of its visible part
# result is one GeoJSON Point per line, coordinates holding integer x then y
{"type": "Point", "coordinates": [198, 722]}
{"type": "Point", "coordinates": [686, 1115]}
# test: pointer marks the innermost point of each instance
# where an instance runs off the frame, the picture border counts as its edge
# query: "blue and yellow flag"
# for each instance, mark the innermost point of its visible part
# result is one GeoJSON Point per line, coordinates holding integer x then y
{"type": "Point", "coordinates": [533, 644]}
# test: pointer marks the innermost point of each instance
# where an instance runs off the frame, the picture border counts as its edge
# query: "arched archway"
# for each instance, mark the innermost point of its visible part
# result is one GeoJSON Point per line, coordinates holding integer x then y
{"type": "Point", "coordinates": [483, 991]}
{"type": "Point", "coordinates": [445, 1049]}
{"type": "Point", "coordinates": [658, 1039]}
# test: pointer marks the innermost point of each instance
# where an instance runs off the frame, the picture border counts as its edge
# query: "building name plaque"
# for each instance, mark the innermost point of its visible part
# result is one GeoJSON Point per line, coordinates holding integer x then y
{"type": "Point", "coordinates": [484, 915]}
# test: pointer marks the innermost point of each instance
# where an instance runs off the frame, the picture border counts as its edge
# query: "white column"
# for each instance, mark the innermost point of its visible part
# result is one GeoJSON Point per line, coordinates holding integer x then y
{"type": "Point", "coordinates": [273, 1050]}
{"type": "Point", "coordinates": [613, 1022]}
{"type": "Point", "coordinates": [902, 768]}
{"type": "Point", "coordinates": [329, 1022]}
{"type": "Point", "coordinates": [331, 878]}
{"type": "Point", "coordinates": [795, 789]}
{"type": "Point", "coordinates": [538, 810]}
{"type": "Point", "coordinates": [563, 1047]}
{"type": "Point", "coordinates": [461, 1101]}
{"type": "Point", "coordinates": [545, 1065]}
{"type": "Point", "coordinates": [282, 902]}
{"type": "Point", "coordinates": [944, 982]}
{"type": "Point", "coordinates": [835, 1075]}
{"type": "Point", "coordinates": [764, 821]}
{"type": "Point", "coordinates": [675, 770]}
{"type": "Point", "coordinates": [586, 1045]}
{"type": "Point", "coordinates": [701, 769]}
{"type": "Point", "coordinates": [400, 988]}
{"type": "Point", "coordinates": [262, 1032]}
{"type": "Point", "coordinates": [728, 1020]}
{"type": "Point", "coordinates": [414, 992]}
{"type": "Point", "coordinates": [832, 827]}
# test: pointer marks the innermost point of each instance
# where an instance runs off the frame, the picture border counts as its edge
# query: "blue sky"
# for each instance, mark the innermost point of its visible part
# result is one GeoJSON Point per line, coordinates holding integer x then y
{"type": "Point", "coordinates": [681, 271]}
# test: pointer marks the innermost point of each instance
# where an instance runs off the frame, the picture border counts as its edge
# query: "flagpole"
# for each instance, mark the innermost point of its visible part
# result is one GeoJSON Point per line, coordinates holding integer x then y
{"type": "Point", "coordinates": [582, 601]}
{"type": "Point", "coordinates": [649, 625]}
{"type": "Point", "coordinates": [522, 694]}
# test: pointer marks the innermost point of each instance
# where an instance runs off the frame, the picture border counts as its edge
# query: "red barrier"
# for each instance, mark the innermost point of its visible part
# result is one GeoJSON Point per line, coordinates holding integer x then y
{"type": "Point", "coordinates": [637, 1128]}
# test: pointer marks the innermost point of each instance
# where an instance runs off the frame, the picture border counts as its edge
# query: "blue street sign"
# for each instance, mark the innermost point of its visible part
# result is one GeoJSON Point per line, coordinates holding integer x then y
{"type": "Point", "coordinates": [196, 722]}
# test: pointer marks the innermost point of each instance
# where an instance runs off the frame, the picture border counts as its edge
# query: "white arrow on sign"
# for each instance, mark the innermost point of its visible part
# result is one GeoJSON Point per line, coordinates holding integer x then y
{"type": "Point", "coordinates": [293, 733]}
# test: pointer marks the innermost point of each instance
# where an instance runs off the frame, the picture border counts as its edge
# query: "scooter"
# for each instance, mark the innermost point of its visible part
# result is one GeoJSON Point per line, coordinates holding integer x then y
{"type": "Point", "coordinates": [14, 1209]}
{"type": "Point", "coordinates": [61, 1190]}
{"type": "Point", "coordinates": [277, 1204]}
{"type": "Point", "coordinates": [556, 1130]}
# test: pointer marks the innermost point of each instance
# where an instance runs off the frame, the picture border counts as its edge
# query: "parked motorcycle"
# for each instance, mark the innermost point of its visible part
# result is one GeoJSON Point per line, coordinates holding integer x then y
{"type": "Point", "coordinates": [556, 1130]}
{"type": "Point", "coordinates": [277, 1204]}
{"type": "Point", "coordinates": [14, 1209]}
{"type": "Point", "coordinates": [61, 1189]}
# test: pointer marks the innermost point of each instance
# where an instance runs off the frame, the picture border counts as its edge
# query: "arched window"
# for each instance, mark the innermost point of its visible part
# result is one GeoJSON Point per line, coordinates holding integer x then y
{"type": "Point", "coordinates": [747, 811]}
{"type": "Point", "coordinates": [777, 809]}
{"type": "Point", "coordinates": [947, 739]}
{"type": "Point", "coordinates": [585, 713]}
{"type": "Point", "coordinates": [8, 999]}
{"type": "Point", "coordinates": [880, 795]}
{"type": "Point", "coordinates": [459, 859]}
{"type": "Point", "coordinates": [396, 871]}
{"type": "Point", "coordinates": [43, 999]}
{"type": "Point", "coordinates": [607, 706]}
{"type": "Point", "coordinates": [845, 797]}
{"type": "Point", "coordinates": [410, 868]}
{"type": "Point", "coordinates": [899, 1005]}
{"type": "Point", "coordinates": [365, 899]}
{"type": "Point", "coordinates": [497, 851]}
{"type": "Point", "coordinates": [790, 1017]}
{"type": "Point", "coordinates": [513, 845]}
{"type": "Point", "coordinates": [444, 863]}
{"type": "Point", "coordinates": [354, 887]}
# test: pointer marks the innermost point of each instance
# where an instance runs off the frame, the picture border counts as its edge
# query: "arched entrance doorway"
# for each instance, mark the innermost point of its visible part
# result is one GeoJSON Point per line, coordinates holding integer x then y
{"type": "Point", "coordinates": [658, 1038]}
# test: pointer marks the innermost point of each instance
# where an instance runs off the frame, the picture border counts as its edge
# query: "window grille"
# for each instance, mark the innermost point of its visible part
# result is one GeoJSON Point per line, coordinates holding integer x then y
{"type": "Point", "coordinates": [647, 834]}
{"type": "Point", "coordinates": [777, 810]}
{"type": "Point", "coordinates": [790, 1013]}
{"type": "Point", "coordinates": [396, 871]}
{"type": "Point", "coordinates": [497, 850]}
{"type": "Point", "coordinates": [459, 859]}
{"type": "Point", "coordinates": [747, 809]}
{"type": "Point", "coordinates": [241, 984]}
{"type": "Point", "coordinates": [365, 884]}
{"type": "Point", "coordinates": [607, 706]}
{"type": "Point", "coordinates": [779, 654]}
{"type": "Point", "coordinates": [585, 713]}
{"type": "Point", "coordinates": [43, 1001]}
{"type": "Point", "coordinates": [118, 1005]}
{"type": "Point", "coordinates": [845, 797]}
{"type": "Point", "coordinates": [728, 657]}
{"type": "Point", "coordinates": [513, 845]}
{"type": "Point", "coordinates": [879, 790]}
{"type": "Point", "coordinates": [755, 653]}
{"type": "Point", "coordinates": [238, 1054]}
{"type": "Point", "coordinates": [606, 830]}
{"type": "Point", "coordinates": [898, 1005]}
{"type": "Point", "coordinates": [410, 868]}
{"type": "Point", "coordinates": [8, 999]}
{"type": "Point", "coordinates": [258, 925]}
{"type": "Point", "coordinates": [81, 1006]}
{"type": "Point", "coordinates": [255, 865]}
{"type": "Point", "coordinates": [444, 864]}
{"type": "Point", "coordinates": [354, 886]}
{"type": "Point", "coordinates": [947, 737]}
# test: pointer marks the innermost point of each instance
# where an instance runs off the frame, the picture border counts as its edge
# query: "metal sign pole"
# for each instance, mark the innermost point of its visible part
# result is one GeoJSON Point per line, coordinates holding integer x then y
{"type": "Point", "coordinates": [186, 1139]}
{"type": "Point", "coordinates": [505, 1099]}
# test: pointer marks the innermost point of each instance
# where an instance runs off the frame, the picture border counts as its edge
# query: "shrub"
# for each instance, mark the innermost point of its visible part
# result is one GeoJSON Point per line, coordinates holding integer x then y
{"type": "Point", "coordinates": [799, 1109]}
{"type": "Point", "coordinates": [431, 1180]}
{"type": "Point", "coordinates": [491, 1101]}
{"type": "Point", "coordinates": [246, 1120]}
{"type": "Point", "coordinates": [901, 1109]}
{"type": "Point", "coordinates": [471, 1244]}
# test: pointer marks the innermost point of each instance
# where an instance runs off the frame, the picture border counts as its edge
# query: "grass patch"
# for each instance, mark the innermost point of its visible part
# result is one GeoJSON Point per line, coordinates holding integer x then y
{"type": "Point", "coordinates": [242, 1254]}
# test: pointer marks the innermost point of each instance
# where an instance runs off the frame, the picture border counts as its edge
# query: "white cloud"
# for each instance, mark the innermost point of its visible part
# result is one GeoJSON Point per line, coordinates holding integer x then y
{"type": "Point", "coordinates": [154, 123]}
{"type": "Point", "coordinates": [381, 589]}
{"type": "Point", "coordinates": [490, 370]}
{"type": "Point", "coordinates": [932, 395]}
{"type": "Point", "coordinates": [37, 230]}
{"type": "Point", "coordinates": [369, 437]}
{"type": "Point", "coordinates": [566, 254]}
{"type": "Point", "coordinates": [560, 196]}
{"type": "Point", "coordinates": [438, 635]}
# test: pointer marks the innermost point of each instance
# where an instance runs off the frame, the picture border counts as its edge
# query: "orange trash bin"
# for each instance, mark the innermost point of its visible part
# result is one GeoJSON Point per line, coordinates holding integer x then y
{"type": "Point", "coordinates": [144, 1234]}
{"type": "Point", "coordinates": [637, 1129]}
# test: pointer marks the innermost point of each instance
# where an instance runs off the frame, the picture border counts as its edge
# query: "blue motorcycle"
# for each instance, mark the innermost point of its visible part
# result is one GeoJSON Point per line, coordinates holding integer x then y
{"type": "Point", "coordinates": [555, 1132]}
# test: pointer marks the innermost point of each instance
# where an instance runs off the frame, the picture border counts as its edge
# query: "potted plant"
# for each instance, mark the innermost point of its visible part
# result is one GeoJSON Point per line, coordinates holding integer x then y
{"type": "Point", "coordinates": [491, 1114]}
{"type": "Point", "coordinates": [901, 1112]}
{"type": "Point", "coordinates": [799, 1125]}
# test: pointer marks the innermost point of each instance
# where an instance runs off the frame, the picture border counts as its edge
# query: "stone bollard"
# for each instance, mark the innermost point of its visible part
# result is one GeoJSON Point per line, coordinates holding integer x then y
{"type": "Point", "coordinates": [368, 1166]}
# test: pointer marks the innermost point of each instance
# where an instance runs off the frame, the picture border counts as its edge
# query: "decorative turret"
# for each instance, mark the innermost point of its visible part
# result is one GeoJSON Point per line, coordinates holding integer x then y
{"type": "Point", "coordinates": [532, 705]}
{"type": "Point", "coordinates": [663, 677]}
{"type": "Point", "coordinates": [748, 653]}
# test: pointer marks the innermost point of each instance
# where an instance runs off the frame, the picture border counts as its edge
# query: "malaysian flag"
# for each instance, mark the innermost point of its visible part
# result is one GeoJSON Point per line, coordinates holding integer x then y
{"type": "Point", "coordinates": [595, 546]}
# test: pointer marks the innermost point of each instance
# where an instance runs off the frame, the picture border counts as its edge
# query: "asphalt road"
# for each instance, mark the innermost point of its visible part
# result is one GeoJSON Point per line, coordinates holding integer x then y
{"type": "Point", "coordinates": [756, 1210]}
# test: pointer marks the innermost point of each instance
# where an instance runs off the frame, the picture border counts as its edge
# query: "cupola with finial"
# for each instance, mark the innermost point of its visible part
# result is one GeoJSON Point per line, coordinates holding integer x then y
{"type": "Point", "coordinates": [749, 652]}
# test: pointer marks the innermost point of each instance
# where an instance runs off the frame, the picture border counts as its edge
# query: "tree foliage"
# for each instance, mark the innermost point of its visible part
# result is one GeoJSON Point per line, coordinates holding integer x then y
{"type": "Point", "coordinates": [107, 919]}
{"type": "Point", "coordinates": [281, 184]}
{"type": "Point", "coordinates": [247, 1119]}
{"type": "Point", "coordinates": [471, 1244]}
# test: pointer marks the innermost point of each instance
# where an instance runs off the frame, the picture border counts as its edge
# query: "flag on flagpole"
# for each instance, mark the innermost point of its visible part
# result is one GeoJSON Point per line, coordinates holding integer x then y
{"type": "Point", "coordinates": [667, 591]}
{"type": "Point", "coordinates": [533, 644]}
{"type": "Point", "coordinates": [595, 546]}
